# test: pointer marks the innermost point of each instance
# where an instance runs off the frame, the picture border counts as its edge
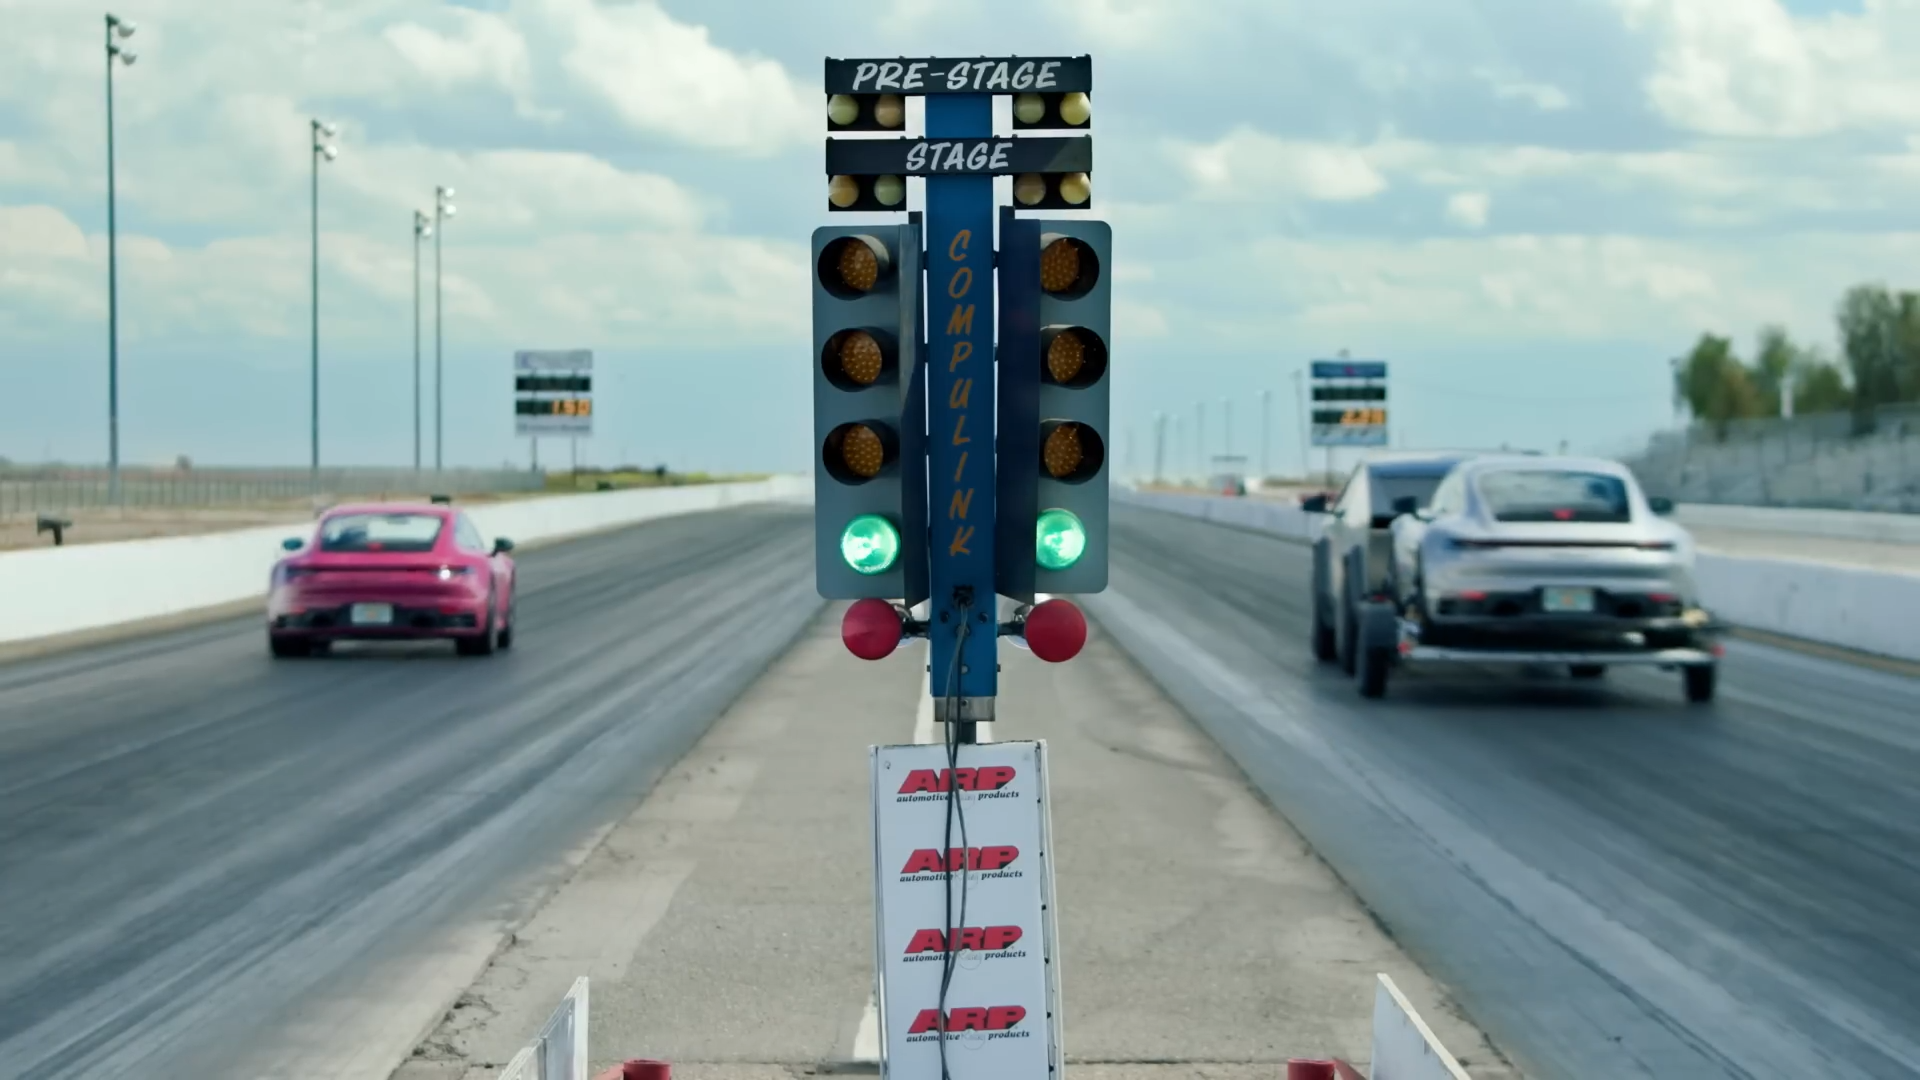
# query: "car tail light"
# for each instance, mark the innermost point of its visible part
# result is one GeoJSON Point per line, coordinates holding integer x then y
{"type": "Point", "coordinates": [448, 573]}
{"type": "Point", "coordinates": [1472, 594]}
{"type": "Point", "coordinates": [1662, 597]}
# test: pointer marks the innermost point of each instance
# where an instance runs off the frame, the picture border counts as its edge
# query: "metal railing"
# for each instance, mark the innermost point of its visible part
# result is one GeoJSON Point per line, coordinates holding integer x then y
{"type": "Point", "coordinates": [30, 490]}
{"type": "Point", "coordinates": [559, 1052]}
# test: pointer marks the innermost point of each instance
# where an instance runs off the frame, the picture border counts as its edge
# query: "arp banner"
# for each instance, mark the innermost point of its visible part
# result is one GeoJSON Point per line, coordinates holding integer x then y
{"type": "Point", "coordinates": [1004, 990]}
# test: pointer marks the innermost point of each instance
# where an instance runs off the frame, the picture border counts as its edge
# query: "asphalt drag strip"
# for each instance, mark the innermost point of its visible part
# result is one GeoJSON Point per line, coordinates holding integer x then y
{"type": "Point", "coordinates": [726, 926]}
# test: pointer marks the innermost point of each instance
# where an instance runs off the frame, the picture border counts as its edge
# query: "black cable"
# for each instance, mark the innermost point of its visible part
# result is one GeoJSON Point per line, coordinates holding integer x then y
{"type": "Point", "coordinates": [954, 810]}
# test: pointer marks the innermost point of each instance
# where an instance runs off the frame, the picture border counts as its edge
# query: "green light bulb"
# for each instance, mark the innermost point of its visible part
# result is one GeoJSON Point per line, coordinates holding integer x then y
{"type": "Point", "coordinates": [1059, 539]}
{"type": "Point", "coordinates": [870, 544]}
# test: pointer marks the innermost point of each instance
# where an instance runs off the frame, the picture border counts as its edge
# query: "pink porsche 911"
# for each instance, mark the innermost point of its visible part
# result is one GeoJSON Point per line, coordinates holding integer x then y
{"type": "Point", "coordinates": [390, 571]}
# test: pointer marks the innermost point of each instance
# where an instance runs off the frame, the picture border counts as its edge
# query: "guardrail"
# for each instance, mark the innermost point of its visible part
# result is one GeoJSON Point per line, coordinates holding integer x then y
{"type": "Point", "coordinates": [559, 1052]}
{"type": "Point", "coordinates": [26, 492]}
{"type": "Point", "coordinates": [50, 591]}
{"type": "Point", "coordinates": [1867, 611]}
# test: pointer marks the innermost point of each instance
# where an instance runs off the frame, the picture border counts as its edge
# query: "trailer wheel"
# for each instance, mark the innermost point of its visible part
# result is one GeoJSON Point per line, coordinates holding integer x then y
{"type": "Point", "coordinates": [1700, 682]}
{"type": "Point", "coordinates": [1370, 670]}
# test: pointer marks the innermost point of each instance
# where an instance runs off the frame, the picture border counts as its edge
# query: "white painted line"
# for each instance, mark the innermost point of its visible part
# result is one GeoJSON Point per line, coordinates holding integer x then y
{"type": "Point", "coordinates": [866, 1041]}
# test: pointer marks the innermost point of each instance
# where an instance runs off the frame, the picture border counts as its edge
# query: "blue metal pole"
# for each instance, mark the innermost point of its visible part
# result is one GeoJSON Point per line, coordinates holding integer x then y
{"type": "Point", "coordinates": [960, 421]}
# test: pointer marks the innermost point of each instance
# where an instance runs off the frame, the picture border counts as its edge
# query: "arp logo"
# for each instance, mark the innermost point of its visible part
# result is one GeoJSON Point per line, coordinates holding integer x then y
{"type": "Point", "coordinates": [986, 1018]}
{"type": "Point", "coordinates": [976, 938]}
{"type": "Point", "coordinates": [928, 861]}
{"type": "Point", "coordinates": [941, 781]}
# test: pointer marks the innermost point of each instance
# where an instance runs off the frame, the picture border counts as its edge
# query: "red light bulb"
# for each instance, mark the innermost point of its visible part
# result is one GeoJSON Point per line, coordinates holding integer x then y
{"type": "Point", "coordinates": [871, 629]}
{"type": "Point", "coordinates": [1056, 631]}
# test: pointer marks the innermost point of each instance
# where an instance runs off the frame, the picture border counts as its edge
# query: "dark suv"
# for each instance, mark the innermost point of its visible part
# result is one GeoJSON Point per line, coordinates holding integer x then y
{"type": "Point", "coordinates": [1353, 555]}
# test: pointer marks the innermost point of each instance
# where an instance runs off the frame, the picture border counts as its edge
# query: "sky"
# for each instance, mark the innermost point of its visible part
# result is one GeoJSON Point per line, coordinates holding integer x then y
{"type": "Point", "coordinates": [1525, 206]}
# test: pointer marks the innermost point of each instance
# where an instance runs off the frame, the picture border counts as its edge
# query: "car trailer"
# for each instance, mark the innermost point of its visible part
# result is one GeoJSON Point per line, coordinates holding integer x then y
{"type": "Point", "coordinates": [1389, 638]}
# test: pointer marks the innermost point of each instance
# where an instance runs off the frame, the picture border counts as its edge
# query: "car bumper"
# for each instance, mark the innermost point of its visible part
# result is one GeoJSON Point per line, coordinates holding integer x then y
{"type": "Point", "coordinates": [1687, 640]}
{"type": "Point", "coordinates": [335, 621]}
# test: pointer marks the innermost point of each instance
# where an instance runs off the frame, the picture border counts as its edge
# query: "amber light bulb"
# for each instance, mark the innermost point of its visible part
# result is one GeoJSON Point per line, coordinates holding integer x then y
{"type": "Point", "coordinates": [863, 452]}
{"type": "Point", "coordinates": [1063, 454]}
{"type": "Point", "coordinates": [858, 266]}
{"type": "Point", "coordinates": [860, 358]}
{"type": "Point", "coordinates": [1066, 357]}
{"type": "Point", "coordinates": [1060, 266]}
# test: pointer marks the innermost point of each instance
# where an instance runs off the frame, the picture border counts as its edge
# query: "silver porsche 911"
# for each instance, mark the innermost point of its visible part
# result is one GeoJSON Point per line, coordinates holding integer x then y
{"type": "Point", "coordinates": [1543, 560]}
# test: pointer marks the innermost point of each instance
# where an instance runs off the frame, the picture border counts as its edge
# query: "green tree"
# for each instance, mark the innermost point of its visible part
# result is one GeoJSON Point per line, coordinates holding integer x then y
{"type": "Point", "coordinates": [1820, 386]}
{"type": "Point", "coordinates": [1715, 386]}
{"type": "Point", "coordinates": [1880, 338]}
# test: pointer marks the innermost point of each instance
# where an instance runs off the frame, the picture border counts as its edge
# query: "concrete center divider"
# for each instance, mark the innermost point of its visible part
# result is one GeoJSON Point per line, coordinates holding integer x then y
{"type": "Point", "coordinates": [48, 592]}
{"type": "Point", "coordinates": [1864, 610]}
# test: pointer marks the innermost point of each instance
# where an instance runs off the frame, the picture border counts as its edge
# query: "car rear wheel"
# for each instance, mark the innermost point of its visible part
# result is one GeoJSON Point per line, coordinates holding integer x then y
{"type": "Point", "coordinates": [1700, 682]}
{"type": "Point", "coordinates": [1370, 670]}
{"type": "Point", "coordinates": [1349, 640]}
{"type": "Point", "coordinates": [480, 644]}
{"type": "Point", "coordinates": [1587, 671]}
{"type": "Point", "coordinates": [289, 648]}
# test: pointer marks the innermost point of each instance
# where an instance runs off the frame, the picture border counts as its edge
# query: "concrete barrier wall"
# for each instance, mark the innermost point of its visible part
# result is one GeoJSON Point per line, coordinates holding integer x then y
{"type": "Point", "coordinates": [50, 591]}
{"type": "Point", "coordinates": [1869, 611]}
{"type": "Point", "coordinates": [1834, 524]}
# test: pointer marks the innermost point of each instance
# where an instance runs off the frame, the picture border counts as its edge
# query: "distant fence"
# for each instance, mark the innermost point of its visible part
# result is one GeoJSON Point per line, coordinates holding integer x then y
{"type": "Point", "coordinates": [1813, 462]}
{"type": "Point", "coordinates": [27, 491]}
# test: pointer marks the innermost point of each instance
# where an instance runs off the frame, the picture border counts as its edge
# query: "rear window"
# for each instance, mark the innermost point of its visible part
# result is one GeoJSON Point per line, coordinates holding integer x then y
{"type": "Point", "coordinates": [1387, 489]}
{"type": "Point", "coordinates": [1554, 495]}
{"type": "Point", "coordinates": [381, 532]}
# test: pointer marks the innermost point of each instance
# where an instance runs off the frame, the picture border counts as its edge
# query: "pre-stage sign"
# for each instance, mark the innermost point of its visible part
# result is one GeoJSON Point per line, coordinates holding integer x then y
{"type": "Point", "coordinates": [1004, 990]}
{"type": "Point", "coordinates": [976, 75]}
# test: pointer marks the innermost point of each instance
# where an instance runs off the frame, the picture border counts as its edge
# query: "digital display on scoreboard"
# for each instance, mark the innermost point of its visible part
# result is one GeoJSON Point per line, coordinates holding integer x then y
{"type": "Point", "coordinates": [554, 407]}
{"type": "Point", "coordinates": [1351, 417]}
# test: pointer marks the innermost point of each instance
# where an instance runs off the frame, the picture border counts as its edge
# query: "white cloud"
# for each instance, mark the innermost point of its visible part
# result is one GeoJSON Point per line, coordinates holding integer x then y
{"type": "Point", "coordinates": [1541, 95]}
{"type": "Point", "coordinates": [1249, 166]}
{"type": "Point", "coordinates": [669, 78]}
{"type": "Point", "coordinates": [1751, 68]}
{"type": "Point", "coordinates": [488, 49]}
{"type": "Point", "coordinates": [1469, 208]}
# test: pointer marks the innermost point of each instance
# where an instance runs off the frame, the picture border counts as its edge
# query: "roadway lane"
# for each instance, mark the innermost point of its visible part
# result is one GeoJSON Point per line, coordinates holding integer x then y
{"type": "Point", "coordinates": [1613, 883]}
{"type": "Point", "coordinates": [196, 841]}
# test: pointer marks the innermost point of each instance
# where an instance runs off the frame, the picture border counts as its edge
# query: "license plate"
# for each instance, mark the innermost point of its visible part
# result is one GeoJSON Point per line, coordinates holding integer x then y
{"type": "Point", "coordinates": [1564, 600]}
{"type": "Point", "coordinates": [372, 614]}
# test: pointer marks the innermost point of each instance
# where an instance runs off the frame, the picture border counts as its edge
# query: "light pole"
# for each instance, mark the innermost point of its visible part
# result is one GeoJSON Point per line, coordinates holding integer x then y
{"type": "Point", "coordinates": [422, 228]}
{"type": "Point", "coordinates": [1159, 448]}
{"type": "Point", "coordinates": [1266, 424]}
{"type": "Point", "coordinates": [1200, 439]}
{"type": "Point", "coordinates": [442, 210]}
{"type": "Point", "coordinates": [118, 30]}
{"type": "Point", "coordinates": [322, 151]}
{"type": "Point", "coordinates": [1300, 402]}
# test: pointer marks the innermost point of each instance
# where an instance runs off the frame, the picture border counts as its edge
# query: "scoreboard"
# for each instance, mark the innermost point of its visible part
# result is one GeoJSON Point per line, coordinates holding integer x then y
{"type": "Point", "coordinates": [553, 392]}
{"type": "Point", "coordinates": [1349, 402]}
